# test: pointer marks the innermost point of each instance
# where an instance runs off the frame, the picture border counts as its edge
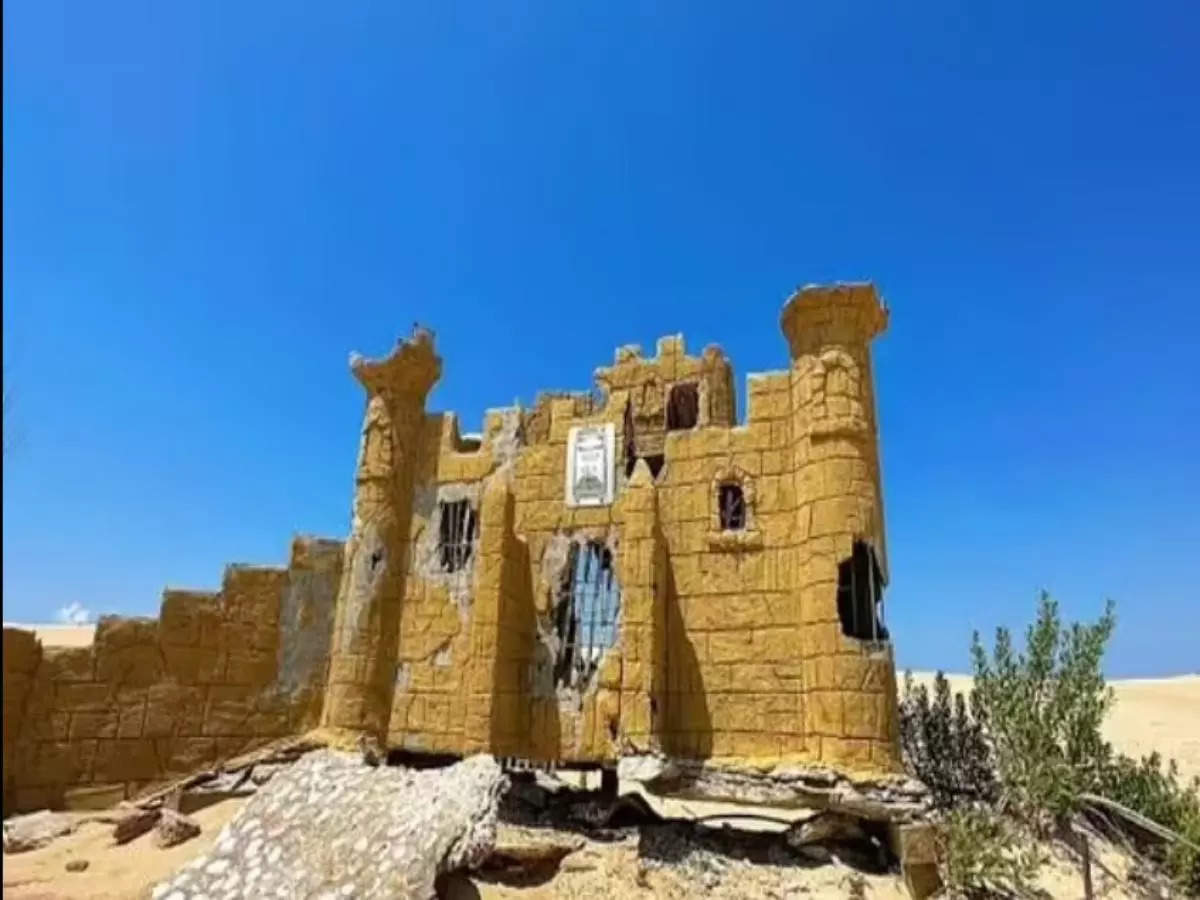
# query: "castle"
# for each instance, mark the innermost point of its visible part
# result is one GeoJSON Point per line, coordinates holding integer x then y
{"type": "Point", "coordinates": [609, 573]}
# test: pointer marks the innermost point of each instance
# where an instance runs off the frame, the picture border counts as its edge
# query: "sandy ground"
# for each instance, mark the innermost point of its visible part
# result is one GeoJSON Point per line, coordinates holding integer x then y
{"type": "Point", "coordinates": [113, 871]}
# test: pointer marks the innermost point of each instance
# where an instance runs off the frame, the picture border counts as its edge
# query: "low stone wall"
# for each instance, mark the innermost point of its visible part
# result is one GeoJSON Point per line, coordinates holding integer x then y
{"type": "Point", "coordinates": [216, 674]}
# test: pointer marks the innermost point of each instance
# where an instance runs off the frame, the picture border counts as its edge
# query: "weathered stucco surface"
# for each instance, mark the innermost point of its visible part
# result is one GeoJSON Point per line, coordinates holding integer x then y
{"type": "Point", "coordinates": [727, 642]}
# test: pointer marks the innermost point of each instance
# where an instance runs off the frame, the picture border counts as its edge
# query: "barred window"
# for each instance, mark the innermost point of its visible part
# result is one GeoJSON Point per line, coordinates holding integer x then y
{"type": "Point", "coordinates": [731, 506]}
{"type": "Point", "coordinates": [456, 534]}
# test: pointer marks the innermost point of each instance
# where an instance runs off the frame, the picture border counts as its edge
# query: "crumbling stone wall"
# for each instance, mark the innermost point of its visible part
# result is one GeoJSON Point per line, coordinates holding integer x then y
{"type": "Point", "coordinates": [728, 642]}
{"type": "Point", "coordinates": [215, 675]}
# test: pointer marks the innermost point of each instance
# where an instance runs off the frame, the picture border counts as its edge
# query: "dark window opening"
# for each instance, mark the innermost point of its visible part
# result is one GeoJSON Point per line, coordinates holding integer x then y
{"type": "Point", "coordinates": [860, 595]}
{"type": "Point", "coordinates": [731, 505]}
{"type": "Point", "coordinates": [683, 407]}
{"type": "Point", "coordinates": [630, 442]}
{"type": "Point", "coordinates": [456, 534]}
{"type": "Point", "coordinates": [585, 612]}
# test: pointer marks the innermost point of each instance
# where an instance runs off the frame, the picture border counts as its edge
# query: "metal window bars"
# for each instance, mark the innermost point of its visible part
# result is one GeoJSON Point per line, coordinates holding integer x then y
{"type": "Point", "coordinates": [585, 612]}
{"type": "Point", "coordinates": [456, 534]}
{"type": "Point", "coordinates": [731, 507]}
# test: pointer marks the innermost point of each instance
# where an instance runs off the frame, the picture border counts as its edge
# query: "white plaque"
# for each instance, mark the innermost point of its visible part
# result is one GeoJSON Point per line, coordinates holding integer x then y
{"type": "Point", "coordinates": [590, 465]}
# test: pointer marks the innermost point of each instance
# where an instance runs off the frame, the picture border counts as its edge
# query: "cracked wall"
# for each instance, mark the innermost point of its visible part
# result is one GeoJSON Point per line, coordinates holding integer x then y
{"type": "Point", "coordinates": [216, 674]}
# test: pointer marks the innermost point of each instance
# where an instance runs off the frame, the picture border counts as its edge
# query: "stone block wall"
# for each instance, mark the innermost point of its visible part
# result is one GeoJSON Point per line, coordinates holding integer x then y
{"type": "Point", "coordinates": [214, 676]}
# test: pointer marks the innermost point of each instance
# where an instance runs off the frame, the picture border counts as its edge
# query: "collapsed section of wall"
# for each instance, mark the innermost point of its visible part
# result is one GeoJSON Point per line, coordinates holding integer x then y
{"type": "Point", "coordinates": [217, 674]}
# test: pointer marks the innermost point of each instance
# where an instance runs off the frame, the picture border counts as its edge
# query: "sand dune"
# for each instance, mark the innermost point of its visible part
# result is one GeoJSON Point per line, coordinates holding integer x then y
{"type": "Point", "coordinates": [59, 635]}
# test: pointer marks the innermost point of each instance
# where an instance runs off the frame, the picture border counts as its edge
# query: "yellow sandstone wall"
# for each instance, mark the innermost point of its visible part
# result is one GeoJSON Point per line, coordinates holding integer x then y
{"type": "Point", "coordinates": [728, 644]}
{"type": "Point", "coordinates": [215, 675]}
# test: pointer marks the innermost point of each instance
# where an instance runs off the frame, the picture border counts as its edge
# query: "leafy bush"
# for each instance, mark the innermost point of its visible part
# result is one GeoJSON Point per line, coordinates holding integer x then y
{"type": "Point", "coordinates": [944, 745]}
{"type": "Point", "coordinates": [1144, 786]}
{"type": "Point", "coordinates": [985, 855]}
{"type": "Point", "coordinates": [1042, 711]}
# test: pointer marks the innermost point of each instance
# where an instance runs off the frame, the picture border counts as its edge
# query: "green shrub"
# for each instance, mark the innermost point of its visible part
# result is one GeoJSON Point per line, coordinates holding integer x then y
{"type": "Point", "coordinates": [1145, 787]}
{"type": "Point", "coordinates": [944, 744]}
{"type": "Point", "coordinates": [985, 855]}
{"type": "Point", "coordinates": [1042, 711]}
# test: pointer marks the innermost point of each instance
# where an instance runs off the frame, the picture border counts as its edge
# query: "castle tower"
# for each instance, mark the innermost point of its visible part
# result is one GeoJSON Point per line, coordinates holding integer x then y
{"type": "Point", "coordinates": [849, 676]}
{"type": "Point", "coordinates": [362, 660]}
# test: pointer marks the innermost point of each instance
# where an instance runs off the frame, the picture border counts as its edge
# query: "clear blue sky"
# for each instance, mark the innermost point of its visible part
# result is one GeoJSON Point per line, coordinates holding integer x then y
{"type": "Point", "coordinates": [208, 206]}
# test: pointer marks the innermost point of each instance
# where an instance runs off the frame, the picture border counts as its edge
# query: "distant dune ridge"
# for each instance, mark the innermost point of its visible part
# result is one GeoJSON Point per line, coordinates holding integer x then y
{"type": "Point", "coordinates": [1150, 714]}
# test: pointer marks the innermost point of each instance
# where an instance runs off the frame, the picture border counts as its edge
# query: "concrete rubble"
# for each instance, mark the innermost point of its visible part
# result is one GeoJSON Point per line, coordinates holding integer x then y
{"type": "Point", "coordinates": [331, 826]}
{"type": "Point", "coordinates": [25, 833]}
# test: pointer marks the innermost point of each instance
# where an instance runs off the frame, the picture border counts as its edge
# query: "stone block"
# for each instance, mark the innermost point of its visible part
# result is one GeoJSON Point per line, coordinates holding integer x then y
{"type": "Point", "coordinates": [126, 760]}
{"type": "Point", "coordinates": [22, 651]}
{"type": "Point", "coordinates": [173, 709]}
{"type": "Point", "coordinates": [730, 646]}
{"type": "Point", "coordinates": [775, 645]}
{"type": "Point", "coordinates": [825, 713]}
{"type": "Point", "coordinates": [64, 664]}
{"type": "Point", "coordinates": [94, 797]}
{"type": "Point", "coordinates": [252, 668]}
{"type": "Point", "coordinates": [194, 665]}
{"type": "Point", "coordinates": [51, 727]}
{"type": "Point", "coordinates": [179, 619]}
{"type": "Point", "coordinates": [63, 762]}
{"type": "Point", "coordinates": [94, 724]}
{"type": "Point", "coordinates": [83, 697]}
{"type": "Point", "coordinates": [228, 712]}
{"type": "Point", "coordinates": [864, 716]}
{"type": "Point", "coordinates": [138, 665]}
{"type": "Point", "coordinates": [754, 677]}
{"type": "Point", "coordinates": [756, 745]}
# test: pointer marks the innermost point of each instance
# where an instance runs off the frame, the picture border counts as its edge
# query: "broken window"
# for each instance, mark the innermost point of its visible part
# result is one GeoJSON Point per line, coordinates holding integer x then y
{"type": "Point", "coordinates": [653, 460]}
{"type": "Point", "coordinates": [731, 507]}
{"type": "Point", "coordinates": [683, 407]}
{"type": "Point", "coordinates": [860, 595]}
{"type": "Point", "coordinates": [456, 534]}
{"type": "Point", "coordinates": [585, 612]}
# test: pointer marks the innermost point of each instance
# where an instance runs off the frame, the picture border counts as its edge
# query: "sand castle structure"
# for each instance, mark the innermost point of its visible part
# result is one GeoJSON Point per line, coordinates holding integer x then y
{"type": "Point", "coordinates": [621, 573]}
